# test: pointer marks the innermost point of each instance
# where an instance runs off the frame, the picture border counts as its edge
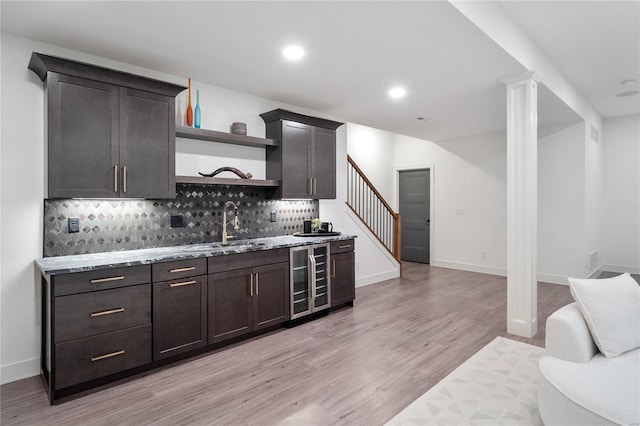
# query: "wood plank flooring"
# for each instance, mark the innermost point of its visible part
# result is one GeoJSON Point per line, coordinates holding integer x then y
{"type": "Point", "coordinates": [355, 366]}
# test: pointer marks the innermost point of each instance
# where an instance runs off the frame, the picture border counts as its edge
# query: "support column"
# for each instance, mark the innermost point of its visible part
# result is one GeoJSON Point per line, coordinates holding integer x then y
{"type": "Point", "coordinates": [522, 204]}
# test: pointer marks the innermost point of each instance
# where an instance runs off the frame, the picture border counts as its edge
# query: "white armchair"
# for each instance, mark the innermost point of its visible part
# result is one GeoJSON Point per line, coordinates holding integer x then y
{"type": "Point", "coordinates": [580, 386]}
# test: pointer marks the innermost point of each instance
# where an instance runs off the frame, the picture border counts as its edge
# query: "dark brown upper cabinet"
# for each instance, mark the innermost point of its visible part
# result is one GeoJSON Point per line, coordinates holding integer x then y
{"type": "Point", "coordinates": [110, 134]}
{"type": "Point", "coordinates": [304, 158]}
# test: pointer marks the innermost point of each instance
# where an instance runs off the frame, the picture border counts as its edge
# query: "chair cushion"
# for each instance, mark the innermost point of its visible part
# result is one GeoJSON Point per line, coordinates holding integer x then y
{"type": "Point", "coordinates": [611, 308]}
{"type": "Point", "coordinates": [588, 393]}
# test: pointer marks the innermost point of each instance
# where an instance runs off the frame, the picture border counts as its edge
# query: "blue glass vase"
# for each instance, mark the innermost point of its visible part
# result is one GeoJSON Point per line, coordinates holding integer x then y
{"type": "Point", "coordinates": [197, 118]}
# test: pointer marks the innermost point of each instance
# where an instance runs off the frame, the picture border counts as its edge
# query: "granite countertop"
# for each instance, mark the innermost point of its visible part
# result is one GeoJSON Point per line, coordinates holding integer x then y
{"type": "Point", "coordinates": [94, 261]}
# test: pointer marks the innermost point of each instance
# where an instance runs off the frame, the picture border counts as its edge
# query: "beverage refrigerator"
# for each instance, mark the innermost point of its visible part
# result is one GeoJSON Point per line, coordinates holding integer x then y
{"type": "Point", "coordinates": [310, 279]}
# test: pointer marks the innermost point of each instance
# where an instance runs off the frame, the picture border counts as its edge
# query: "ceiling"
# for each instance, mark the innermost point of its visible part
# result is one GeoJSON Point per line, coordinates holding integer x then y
{"type": "Point", "coordinates": [355, 52]}
{"type": "Point", "coordinates": [595, 44]}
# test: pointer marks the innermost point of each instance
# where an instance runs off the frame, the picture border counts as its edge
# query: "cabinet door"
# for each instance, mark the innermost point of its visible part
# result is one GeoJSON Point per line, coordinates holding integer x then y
{"type": "Point", "coordinates": [271, 295]}
{"type": "Point", "coordinates": [230, 304]}
{"type": "Point", "coordinates": [296, 139]}
{"type": "Point", "coordinates": [147, 145]}
{"type": "Point", "coordinates": [83, 137]}
{"type": "Point", "coordinates": [179, 316]}
{"type": "Point", "coordinates": [343, 288]}
{"type": "Point", "coordinates": [323, 163]}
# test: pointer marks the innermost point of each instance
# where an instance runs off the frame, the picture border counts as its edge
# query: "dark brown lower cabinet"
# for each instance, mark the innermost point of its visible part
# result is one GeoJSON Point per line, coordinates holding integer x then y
{"type": "Point", "coordinates": [230, 304]}
{"type": "Point", "coordinates": [85, 359]}
{"type": "Point", "coordinates": [246, 300]}
{"type": "Point", "coordinates": [271, 295]}
{"type": "Point", "coordinates": [343, 276]}
{"type": "Point", "coordinates": [179, 316]}
{"type": "Point", "coordinates": [343, 288]}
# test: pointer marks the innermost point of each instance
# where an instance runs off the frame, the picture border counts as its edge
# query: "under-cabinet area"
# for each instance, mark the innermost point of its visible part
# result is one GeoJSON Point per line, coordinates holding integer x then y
{"type": "Point", "coordinates": [112, 315]}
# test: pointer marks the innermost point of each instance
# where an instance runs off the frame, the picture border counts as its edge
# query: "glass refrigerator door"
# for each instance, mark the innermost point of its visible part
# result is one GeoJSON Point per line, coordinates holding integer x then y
{"type": "Point", "coordinates": [300, 282]}
{"type": "Point", "coordinates": [321, 282]}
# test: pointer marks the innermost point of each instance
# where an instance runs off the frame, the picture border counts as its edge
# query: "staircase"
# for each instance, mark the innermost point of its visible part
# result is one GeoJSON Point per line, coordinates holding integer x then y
{"type": "Point", "coordinates": [372, 209]}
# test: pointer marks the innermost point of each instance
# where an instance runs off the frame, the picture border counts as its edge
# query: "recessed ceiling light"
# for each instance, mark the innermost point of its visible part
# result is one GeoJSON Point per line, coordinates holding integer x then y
{"type": "Point", "coordinates": [397, 92]}
{"type": "Point", "coordinates": [629, 82]}
{"type": "Point", "coordinates": [426, 119]}
{"type": "Point", "coordinates": [293, 52]}
{"type": "Point", "coordinates": [628, 93]}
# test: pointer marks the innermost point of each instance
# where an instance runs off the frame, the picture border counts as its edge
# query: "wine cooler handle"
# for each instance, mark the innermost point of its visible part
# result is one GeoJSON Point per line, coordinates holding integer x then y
{"type": "Point", "coordinates": [312, 279]}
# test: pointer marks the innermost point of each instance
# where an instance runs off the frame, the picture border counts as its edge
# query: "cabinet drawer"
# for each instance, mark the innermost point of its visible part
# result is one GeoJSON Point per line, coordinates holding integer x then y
{"type": "Point", "coordinates": [88, 314]}
{"type": "Point", "coordinates": [86, 359]}
{"type": "Point", "coordinates": [342, 246]}
{"type": "Point", "coordinates": [166, 271]}
{"type": "Point", "coordinates": [247, 260]}
{"type": "Point", "coordinates": [103, 279]}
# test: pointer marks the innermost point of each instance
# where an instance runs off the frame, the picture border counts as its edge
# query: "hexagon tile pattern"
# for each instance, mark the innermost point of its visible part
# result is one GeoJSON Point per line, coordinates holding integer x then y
{"type": "Point", "coordinates": [112, 225]}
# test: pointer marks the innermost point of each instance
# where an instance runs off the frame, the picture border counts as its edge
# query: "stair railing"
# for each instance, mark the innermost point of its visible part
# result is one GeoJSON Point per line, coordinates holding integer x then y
{"type": "Point", "coordinates": [373, 210]}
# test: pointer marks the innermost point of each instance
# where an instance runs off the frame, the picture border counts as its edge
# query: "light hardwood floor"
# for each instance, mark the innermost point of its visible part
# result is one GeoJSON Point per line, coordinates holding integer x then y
{"type": "Point", "coordinates": [355, 366]}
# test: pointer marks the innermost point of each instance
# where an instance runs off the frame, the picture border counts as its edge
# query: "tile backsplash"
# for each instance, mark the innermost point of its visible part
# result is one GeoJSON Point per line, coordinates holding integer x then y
{"type": "Point", "coordinates": [112, 225]}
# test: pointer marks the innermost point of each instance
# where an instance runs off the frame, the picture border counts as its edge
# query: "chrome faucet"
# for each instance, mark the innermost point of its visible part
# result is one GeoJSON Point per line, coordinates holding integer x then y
{"type": "Point", "coordinates": [236, 224]}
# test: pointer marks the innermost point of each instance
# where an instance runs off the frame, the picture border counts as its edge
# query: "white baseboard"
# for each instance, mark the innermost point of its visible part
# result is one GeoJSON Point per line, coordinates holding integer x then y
{"type": "Point", "coordinates": [376, 278]}
{"type": "Point", "coordinates": [491, 270]}
{"type": "Point", "coordinates": [594, 274]}
{"type": "Point", "coordinates": [494, 270]}
{"type": "Point", "coordinates": [19, 370]}
{"type": "Point", "coordinates": [553, 279]}
{"type": "Point", "coordinates": [621, 269]}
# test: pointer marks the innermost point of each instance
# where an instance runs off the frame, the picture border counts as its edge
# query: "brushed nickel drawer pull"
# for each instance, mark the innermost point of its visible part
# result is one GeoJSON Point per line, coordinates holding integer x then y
{"type": "Point", "coordinates": [124, 178]}
{"type": "Point", "coordinates": [105, 356]}
{"type": "Point", "coordinates": [190, 268]}
{"type": "Point", "coordinates": [181, 284]}
{"type": "Point", "coordinates": [115, 178]}
{"type": "Point", "coordinates": [251, 291]}
{"type": "Point", "coordinates": [109, 312]}
{"type": "Point", "coordinates": [105, 280]}
{"type": "Point", "coordinates": [345, 246]}
{"type": "Point", "coordinates": [257, 285]}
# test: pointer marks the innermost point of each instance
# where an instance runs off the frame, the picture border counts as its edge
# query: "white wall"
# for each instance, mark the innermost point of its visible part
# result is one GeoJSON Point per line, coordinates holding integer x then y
{"type": "Point", "coordinates": [469, 222]}
{"type": "Point", "coordinates": [561, 205]}
{"type": "Point", "coordinates": [22, 190]}
{"type": "Point", "coordinates": [621, 198]}
{"type": "Point", "coordinates": [372, 150]}
{"type": "Point", "coordinates": [494, 21]}
{"type": "Point", "coordinates": [22, 209]}
{"type": "Point", "coordinates": [373, 262]}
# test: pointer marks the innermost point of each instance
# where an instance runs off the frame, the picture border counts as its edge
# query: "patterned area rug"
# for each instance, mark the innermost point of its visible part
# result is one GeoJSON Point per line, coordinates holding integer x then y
{"type": "Point", "coordinates": [496, 386]}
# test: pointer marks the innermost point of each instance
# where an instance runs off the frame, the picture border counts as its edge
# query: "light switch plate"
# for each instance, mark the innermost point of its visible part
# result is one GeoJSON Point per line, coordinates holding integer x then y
{"type": "Point", "coordinates": [273, 216]}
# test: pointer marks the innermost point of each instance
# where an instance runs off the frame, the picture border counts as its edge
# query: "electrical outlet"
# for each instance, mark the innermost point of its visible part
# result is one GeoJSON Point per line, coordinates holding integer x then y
{"type": "Point", "coordinates": [273, 216]}
{"type": "Point", "coordinates": [483, 254]}
{"type": "Point", "coordinates": [177, 221]}
{"type": "Point", "coordinates": [74, 225]}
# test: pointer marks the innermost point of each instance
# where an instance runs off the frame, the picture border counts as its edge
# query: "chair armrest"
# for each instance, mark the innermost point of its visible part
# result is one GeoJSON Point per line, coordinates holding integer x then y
{"type": "Point", "coordinates": [568, 337]}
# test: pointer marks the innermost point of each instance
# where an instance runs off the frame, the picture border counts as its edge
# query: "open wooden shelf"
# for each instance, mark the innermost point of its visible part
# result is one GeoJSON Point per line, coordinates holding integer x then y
{"type": "Point", "coordinates": [215, 136]}
{"type": "Point", "coordinates": [202, 180]}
